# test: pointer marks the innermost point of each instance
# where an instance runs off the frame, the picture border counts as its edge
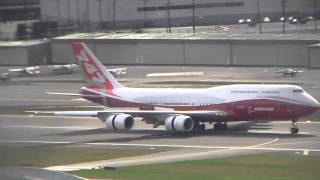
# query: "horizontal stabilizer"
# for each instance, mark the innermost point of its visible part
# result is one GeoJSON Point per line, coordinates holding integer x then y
{"type": "Point", "coordinates": [72, 94]}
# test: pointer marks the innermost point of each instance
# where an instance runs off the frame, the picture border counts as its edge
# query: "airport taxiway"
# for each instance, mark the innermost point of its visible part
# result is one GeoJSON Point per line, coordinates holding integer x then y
{"type": "Point", "coordinates": [25, 129]}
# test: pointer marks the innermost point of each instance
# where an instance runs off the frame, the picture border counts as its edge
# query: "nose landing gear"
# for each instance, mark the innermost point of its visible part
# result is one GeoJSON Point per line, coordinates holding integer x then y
{"type": "Point", "coordinates": [294, 129]}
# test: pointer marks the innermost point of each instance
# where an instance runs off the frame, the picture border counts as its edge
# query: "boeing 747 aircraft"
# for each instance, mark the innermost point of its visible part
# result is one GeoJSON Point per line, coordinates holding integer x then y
{"type": "Point", "coordinates": [186, 110]}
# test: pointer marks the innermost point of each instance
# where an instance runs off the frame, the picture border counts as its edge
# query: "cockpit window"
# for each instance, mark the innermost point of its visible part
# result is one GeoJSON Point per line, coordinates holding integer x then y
{"type": "Point", "coordinates": [297, 91]}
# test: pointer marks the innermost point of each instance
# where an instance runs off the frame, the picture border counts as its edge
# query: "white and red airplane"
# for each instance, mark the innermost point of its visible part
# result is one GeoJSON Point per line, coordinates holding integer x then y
{"type": "Point", "coordinates": [185, 110]}
{"type": "Point", "coordinates": [27, 71]}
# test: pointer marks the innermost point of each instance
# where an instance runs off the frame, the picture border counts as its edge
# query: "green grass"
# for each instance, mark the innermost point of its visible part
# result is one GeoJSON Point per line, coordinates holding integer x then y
{"type": "Point", "coordinates": [262, 167]}
{"type": "Point", "coordinates": [59, 155]}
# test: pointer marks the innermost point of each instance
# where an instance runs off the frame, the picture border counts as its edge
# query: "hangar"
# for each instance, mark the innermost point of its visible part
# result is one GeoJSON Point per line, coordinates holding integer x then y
{"type": "Point", "coordinates": [25, 52]}
{"type": "Point", "coordinates": [155, 13]}
{"type": "Point", "coordinates": [193, 49]}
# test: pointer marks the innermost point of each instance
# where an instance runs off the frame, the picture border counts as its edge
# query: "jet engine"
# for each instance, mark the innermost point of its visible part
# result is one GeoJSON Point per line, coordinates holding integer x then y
{"type": "Point", "coordinates": [119, 122]}
{"type": "Point", "coordinates": [179, 123]}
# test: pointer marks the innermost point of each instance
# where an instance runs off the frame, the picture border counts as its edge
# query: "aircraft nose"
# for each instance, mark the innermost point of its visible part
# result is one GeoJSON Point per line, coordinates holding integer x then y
{"type": "Point", "coordinates": [312, 102]}
{"type": "Point", "coordinates": [316, 103]}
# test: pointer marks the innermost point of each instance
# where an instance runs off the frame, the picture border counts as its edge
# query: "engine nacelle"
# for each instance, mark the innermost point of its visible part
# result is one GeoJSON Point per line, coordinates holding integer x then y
{"type": "Point", "coordinates": [179, 123]}
{"type": "Point", "coordinates": [119, 122]}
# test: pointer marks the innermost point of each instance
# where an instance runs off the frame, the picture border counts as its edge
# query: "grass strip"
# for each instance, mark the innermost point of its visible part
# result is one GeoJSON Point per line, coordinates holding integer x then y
{"type": "Point", "coordinates": [44, 156]}
{"type": "Point", "coordinates": [262, 167]}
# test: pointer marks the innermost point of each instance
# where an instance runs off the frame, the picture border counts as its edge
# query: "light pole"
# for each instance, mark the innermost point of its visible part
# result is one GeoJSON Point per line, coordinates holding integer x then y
{"type": "Point", "coordinates": [145, 15]}
{"type": "Point", "coordinates": [88, 15]}
{"type": "Point", "coordinates": [68, 13]}
{"type": "Point", "coordinates": [315, 9]}
{"type": "Point", "coordinates": [100, 15]}
{"type": "Point", "coordinates": [284, 16]}
{"type": "Point", "coordinates": [169, 16]}
{"type": "Point", "coordinates": [25, 7]}
{"type": "Point", "coordinates": [58, 10]}
{"type": "Point", "coordinates": [114, 16]}
{"type": "Point", "coordinates": [193, 18]}
{"type": "Point", "coordinates": [258, 16]}
{"type": "Point", "coordinates": [78, 13]}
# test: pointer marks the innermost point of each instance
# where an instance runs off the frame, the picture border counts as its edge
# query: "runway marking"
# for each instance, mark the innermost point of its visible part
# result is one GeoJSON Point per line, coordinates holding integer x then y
{"type": "Point", "coordinates": [289, 122]}
{"type": "Point", "coordinates": [316, 87]}
{"type": "Point", "coordinates": [293, 143]}
{"type": "Point", "coordinates": [80, 99]}
{"type": "Point", "coordinates": [155, 158]}
{"type": "Point", "coordinates": [175, 74]}
{"type": "Point", "coordinates": [139, 160]}
{"type": "Point", "coordinates": [168, 145]}
{"type": "Point", "coordinates": [306, 152]}
{"type": "Point", "coordinates": [275, 132]}
{"type": "Point", "coordinates": [266, 143]}
{"type": "Point", "coordinates": [49, 127]}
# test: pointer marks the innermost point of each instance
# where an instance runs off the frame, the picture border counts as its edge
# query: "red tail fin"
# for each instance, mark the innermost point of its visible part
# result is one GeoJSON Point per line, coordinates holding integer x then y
{"type": "Point", "coordinates": [93, 71]}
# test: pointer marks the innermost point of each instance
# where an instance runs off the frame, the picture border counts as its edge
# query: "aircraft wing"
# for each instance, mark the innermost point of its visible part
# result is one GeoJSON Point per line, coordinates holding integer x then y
{"type": "Point", "coordinates": [98, 94]}
{"type": "Point", "coordinates": [136, 113]}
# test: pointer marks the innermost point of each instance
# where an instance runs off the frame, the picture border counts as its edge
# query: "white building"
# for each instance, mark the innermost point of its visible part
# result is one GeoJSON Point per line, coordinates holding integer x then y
{"type": "Point", "coordinates": [137, 13]}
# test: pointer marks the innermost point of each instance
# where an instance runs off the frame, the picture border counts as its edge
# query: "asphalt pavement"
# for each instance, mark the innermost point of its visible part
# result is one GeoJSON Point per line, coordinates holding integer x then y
{"type": "Point", "coordinates": [19, 129]}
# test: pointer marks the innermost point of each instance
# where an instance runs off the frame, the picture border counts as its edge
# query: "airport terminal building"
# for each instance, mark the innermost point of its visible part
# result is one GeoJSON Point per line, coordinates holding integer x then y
{"type": "Point", "coordinates": [155, 13]}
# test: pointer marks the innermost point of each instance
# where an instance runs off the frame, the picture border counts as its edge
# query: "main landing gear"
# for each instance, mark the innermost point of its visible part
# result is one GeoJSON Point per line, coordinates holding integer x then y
{"type": "Point", "coordinates": [199, 127]}
{"type": "Point", "coordinates": [294, 129]}
{"type": "Point", "coordinates": [220, 126]}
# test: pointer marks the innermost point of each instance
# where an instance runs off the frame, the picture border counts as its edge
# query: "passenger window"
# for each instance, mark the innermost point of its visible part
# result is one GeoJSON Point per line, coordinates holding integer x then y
{"type": "Point", "coordinates": [297, 91]}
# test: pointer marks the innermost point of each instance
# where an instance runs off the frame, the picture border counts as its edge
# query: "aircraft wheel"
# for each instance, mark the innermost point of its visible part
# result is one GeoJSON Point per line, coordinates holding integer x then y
{"type": "Point", "coordinates": [216, 126]}
{"type": "Point", "coordinates": [198, 127]}
{"type": "Point", "coordinates": [294, 130]}
{"type": "Point", "coordinates": [202, 127]}
{"type": "Point", "coordinates": [220, 126]}
{"type": "Point", "coordinates": [224, 126]}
